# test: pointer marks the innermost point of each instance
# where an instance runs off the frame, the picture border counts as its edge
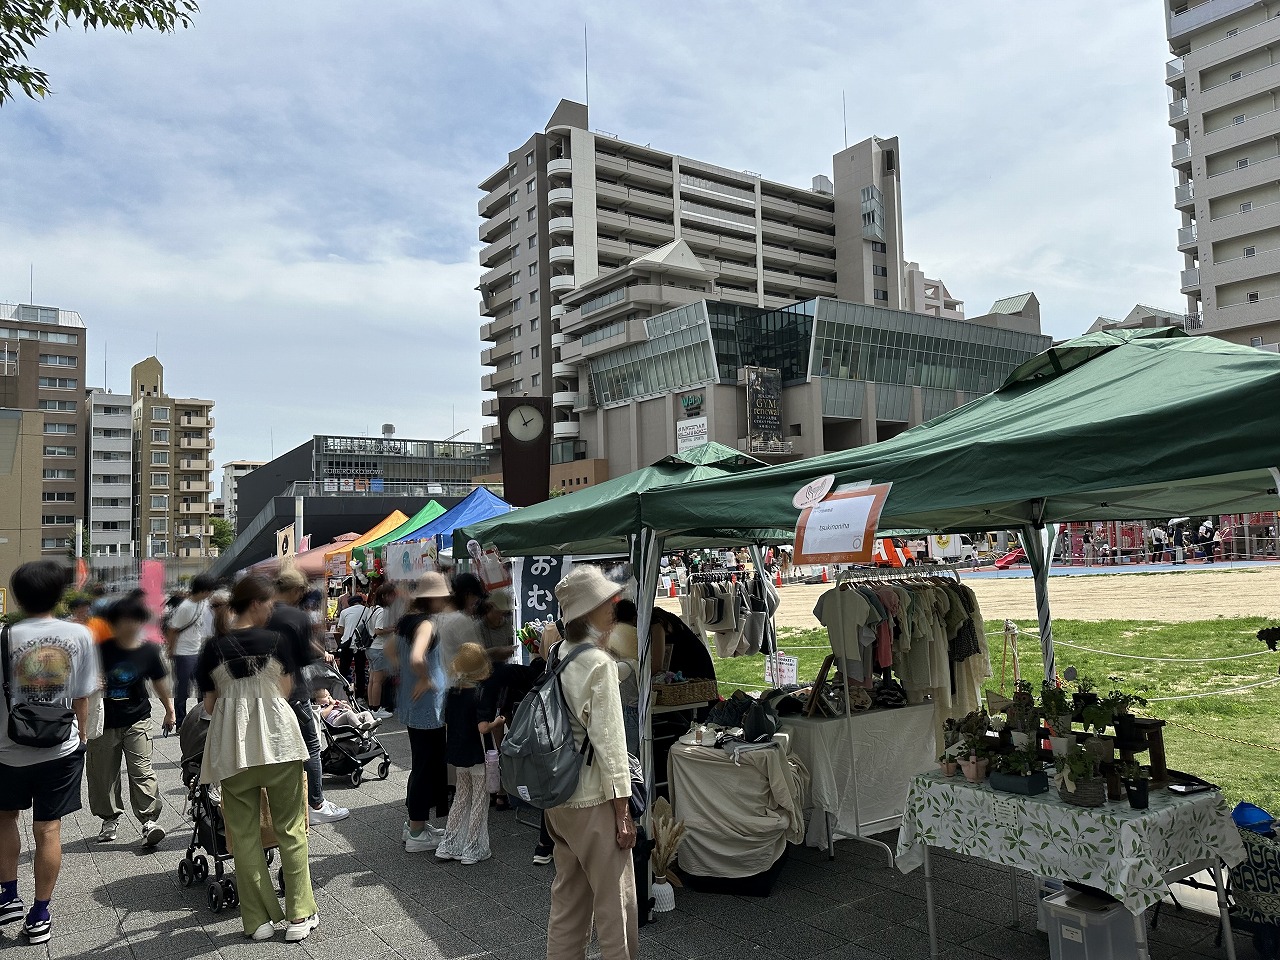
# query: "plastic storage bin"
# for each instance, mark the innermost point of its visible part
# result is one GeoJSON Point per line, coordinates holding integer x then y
{"type": "Point", "coordinates": [1082, 927]}
{"type": "Point", "coordinates": [1046, 887]}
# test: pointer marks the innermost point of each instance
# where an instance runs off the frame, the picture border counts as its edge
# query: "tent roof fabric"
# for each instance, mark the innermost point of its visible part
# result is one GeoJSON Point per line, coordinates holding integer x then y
{"type": "Point", "coordinates": [389, 523]}
{"type": "Point", "coordinates": [601, 519]}
{"type": "Point", "coordinates": [1123, 424]}
{"type": "Point", "coordinates": [310, 562]}
{"type": "Point", "coordinates": [480, 504]}
{"type": "Point", "coordinates": [429, 512]}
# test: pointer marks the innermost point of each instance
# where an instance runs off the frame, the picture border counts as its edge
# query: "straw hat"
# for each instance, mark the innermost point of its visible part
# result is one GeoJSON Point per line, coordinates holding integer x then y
{"type": "Point", "coordinates": [584, 589]}
{"type": "Point", "coordinates": [472, 663]}
{"type": "Point", "coordinates": [501, 600]}
{"type": "Point", "coordinates": [432, 585]}
{"type": "Point", "coordinates": [291, 578]}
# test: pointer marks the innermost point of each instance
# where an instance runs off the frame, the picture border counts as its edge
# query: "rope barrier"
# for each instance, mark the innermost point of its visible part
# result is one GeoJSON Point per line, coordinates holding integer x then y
{"type": "Point", "coordinates": [1130, 656]}
{"type": "Point", "coordinates": [1214, 693]}
{"type": "Point", "coordinates": [1215, 736]}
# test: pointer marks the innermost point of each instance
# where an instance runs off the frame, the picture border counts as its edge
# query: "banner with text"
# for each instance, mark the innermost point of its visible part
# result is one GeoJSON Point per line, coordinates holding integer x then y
{"type": "Point", "coordinates": [764, 405]}
{"type": "Point", "coordinates": [691, 433]}
{"type": "Point", "coordinates": [841, 528]}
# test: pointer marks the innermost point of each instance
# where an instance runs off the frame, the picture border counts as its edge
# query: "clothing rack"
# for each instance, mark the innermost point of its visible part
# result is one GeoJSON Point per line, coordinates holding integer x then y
{"type": "Point", "coordinates": [900, 573]}
{"type": "Point", "coordinates": [721, 576]}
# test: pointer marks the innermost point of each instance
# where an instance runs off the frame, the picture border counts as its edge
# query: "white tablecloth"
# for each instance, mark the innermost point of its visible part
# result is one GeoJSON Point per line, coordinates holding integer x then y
{"type": "Point", "coordinates": [890, 746]}
{"type": "Point", "coordinates": [1123, 851]}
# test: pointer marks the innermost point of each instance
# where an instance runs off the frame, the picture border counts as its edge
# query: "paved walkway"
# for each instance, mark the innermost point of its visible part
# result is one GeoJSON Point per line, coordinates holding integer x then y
{"type": "Point", "coordinates": [117, 902]}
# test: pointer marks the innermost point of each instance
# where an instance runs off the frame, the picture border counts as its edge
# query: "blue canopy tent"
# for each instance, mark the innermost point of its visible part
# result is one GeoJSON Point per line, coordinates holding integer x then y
{"type": "Point", "coordinates": [479, 505]}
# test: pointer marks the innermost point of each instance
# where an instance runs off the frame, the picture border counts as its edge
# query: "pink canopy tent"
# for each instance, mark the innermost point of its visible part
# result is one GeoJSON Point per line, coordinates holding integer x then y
{"type": "Point", "coordinates": [309, 562]}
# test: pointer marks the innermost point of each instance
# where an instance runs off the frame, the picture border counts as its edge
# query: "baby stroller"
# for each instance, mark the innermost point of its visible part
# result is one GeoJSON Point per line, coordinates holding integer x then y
{"type": "Point", "coordinates": [345, 751]}
{"type": "Point", "coordinates": [208, 846]}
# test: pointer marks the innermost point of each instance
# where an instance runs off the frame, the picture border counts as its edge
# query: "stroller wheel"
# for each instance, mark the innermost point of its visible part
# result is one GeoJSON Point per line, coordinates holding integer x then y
{"type": "Point", "coordinates": [215, 897]}
{"type": "Point", "coordinates": [230, 893]}
{"type": "Point", "coordinates": [186, 875]}
{"type": "Point", "coordinates": [384, 769]}
{"type": "Point", "coordinates": [271, 856]}
{"type": "Point", "coordinates": [356, 776]}
{"type": "Point", "coordinates": [200, 868]}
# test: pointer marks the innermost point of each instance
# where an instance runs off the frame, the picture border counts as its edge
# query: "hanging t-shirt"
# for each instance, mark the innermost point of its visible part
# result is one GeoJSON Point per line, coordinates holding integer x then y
{"type": "Point", "coordinates": [125, 700]}
{"type": "Point", "coordinates": [850, 620]}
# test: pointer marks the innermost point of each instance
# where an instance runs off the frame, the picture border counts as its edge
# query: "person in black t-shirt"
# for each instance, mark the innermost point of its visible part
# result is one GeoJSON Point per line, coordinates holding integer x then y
{"type": "Point", "coordinates": [128, 663]}
{"type": "Point", "coordinates": [466, 835]}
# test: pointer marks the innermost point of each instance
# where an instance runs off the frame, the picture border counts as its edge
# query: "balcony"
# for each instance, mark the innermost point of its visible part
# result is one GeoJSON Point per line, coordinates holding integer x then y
{"type": "Point", "coordinates": [493, 230]}
{"type": "Point", "coordinates": [560, 195]}
{"type": "Point", "coordinates": [499, 274]}
{"type": "Point", "coordinates": [558, 310]}
{"type": "Point", "coordinates": [564, 370]}
{"type": "Point", "coordinates": [1203, 14]}
{"type": "Point", "coordinates": [203, 423]}
{"type": "Point", "coordinates": [1184, 194]}
{"type": "Point", "coordinates": [561, 254]}
{"type": "Point", "coordinates": [185, 531]}
{"type": "Point", "coordinates": [562, 167]}
{"type": "Point", "coordinates": [195, 466]}
{"type": "Point", "coordinates": [496, 252]}
{"type": "Point", "coordinates": [561, 283]}
{"type": "Point", "coordinates": [194, 509]}
{"type": "Point", "coordinates": [1178, 110]}
{"type": "Point", "coordinates": [570, 350]}
{"type": "Point", "coordinates": [583, 403]}
{"type": "Point", "coordinates": [500, 351]}
{"type": "Point", "coordinates": [491, 381]}
{"type": "Point", "coordinates": [1190, 279]}
{"type": "Point", "coordinates": [1186, 235]}
{"type": "Point", "coordinates": [196, 443]}
{"type": "Point", "coordinates": [558, 225]}
{"type": "Point", "coordinates": [494, 201]}
{"type": "Point", "coordinates": [486, 358]}
{"type": "Point", "coordinates": [565, 430]}
{"type": "Point", "coordinates": [558, 339]}
{"type": "Point", "coordinates": [1173, 70]}
{"type": "Point", "coordinates": [564, 398]}
{"type": "Point", "coordinates": [195, 486]}
{"type": "Point", "coordinates": [489, 407]}
{"type": "Point", "coordinates": [497, 299]}
{"type": "Point", "coordinates": [1181, 152]}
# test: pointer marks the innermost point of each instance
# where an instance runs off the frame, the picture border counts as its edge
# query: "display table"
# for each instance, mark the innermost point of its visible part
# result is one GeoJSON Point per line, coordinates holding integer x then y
{"type": "Point", "coordinates": [860, 768]}
{"type": "Point", "coordinates": [739, 813]}
{"type": "Point", "coordinates": [1131, 854]}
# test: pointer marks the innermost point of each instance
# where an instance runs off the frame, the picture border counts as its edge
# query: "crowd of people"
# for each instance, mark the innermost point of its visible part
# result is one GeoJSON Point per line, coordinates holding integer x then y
{"type": "Point", "coordinates": [80, 694]}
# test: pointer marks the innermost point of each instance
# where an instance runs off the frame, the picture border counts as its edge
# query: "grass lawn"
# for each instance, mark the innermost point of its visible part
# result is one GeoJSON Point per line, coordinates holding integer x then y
{"type": "Point", "coordinates": [1245, 772]}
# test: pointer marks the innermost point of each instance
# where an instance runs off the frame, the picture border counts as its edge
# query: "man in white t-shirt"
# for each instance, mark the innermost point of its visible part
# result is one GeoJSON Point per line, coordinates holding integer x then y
{"type": "Point", "coordinates": [50, 662]}
{"type": "Point", "coordinates": [185, 633]}
{"type": "Point", "coordinates": [348, 656]}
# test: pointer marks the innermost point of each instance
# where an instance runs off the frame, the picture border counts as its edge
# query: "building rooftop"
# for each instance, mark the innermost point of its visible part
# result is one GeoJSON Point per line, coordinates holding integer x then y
{"type": "Point", "coordinates": [1012, 304]}
{"type": "Point", "coordinates": [31, 313]}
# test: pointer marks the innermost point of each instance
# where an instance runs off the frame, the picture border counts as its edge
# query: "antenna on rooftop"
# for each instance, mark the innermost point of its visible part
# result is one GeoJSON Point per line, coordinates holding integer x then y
{"type": "Point", "coordinates": [586, 74]}
{"type": "Point", "coordinates": [844, 108]}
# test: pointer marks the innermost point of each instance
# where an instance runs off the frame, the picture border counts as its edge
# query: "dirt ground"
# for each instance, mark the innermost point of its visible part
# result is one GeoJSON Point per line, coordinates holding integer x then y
{"type": "Point", "coordinates": [1192, 594]}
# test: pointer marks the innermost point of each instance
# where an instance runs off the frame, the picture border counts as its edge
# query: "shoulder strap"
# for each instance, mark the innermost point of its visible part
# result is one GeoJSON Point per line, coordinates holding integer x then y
{"type": "Point", "coordinates": [4, 652]}
{"type": "Point", "coordinates": [561, 662]}
{"type": "Point", "coordinates": [190, 623]}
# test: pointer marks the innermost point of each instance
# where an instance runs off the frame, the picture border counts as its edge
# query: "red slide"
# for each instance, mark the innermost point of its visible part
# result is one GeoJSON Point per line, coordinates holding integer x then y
{"type": "Point", "coordinates": [1009, 559]}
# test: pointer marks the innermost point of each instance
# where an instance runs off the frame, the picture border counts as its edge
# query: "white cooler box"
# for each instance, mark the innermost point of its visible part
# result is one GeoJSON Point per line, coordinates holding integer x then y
{"type": "Point", "coordinates": [1087, 928]}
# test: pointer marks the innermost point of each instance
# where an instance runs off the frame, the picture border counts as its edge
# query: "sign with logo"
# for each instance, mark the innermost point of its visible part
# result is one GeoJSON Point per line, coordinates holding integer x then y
{"type": "Point", "coordinates": [691, 403]}
{"type": "Point", "coordinates": [534, 588]}
{"type": "Point", "coordinates": [330, 484]}
{"type": "Point", "coordinates": [764, 405]}
{"type": "Point", "coordinates": [842, 528]}
{"type": "Point", "coordinates": [781, 670]}
{"type": "Point", "coordinates": [285, 545]}
{"type": "Point", "coordinates": [691, 433]}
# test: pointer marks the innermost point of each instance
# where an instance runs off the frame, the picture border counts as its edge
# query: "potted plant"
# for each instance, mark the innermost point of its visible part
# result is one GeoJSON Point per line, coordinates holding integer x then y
{"type": "Point", "coordinates": [947, 764]}
{"type": "Point", "coordinates": [1084, 695]}
{"type": "Point", "coordinates": [1056, 710]}
{"type": "Point", "coordinates": [1137, 785]}
{"type": "Point", "coordinates": [975, 757]}
{"type": "Point", "coordinates": [667, 833]}
{"type": "Point", "coordinates": [1126, 723]}
{"type": "Point", "coordinates": [1023, 719]}
{"type": "Point", "coordinates": [1019, 771]}
{"type": "Point", "coordinates": [1078, 779]}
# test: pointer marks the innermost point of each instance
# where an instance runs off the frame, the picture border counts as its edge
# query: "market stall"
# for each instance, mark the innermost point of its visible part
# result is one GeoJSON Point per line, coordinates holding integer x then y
{"type": "Point", "coordinates": [479, 505]}
{"type": "Point", "coordinates": [368, 552]}
{"type": "Point", "coordinates": [309, 562]}
{"type": "Point", "coordinates": [338, 562]}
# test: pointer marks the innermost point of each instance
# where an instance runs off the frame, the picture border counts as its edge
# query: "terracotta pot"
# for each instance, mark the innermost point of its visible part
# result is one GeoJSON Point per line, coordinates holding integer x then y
{"type": "Point", "coordinates": [948, 768]}
{"type": "Point", "coordinates": [975, 771]}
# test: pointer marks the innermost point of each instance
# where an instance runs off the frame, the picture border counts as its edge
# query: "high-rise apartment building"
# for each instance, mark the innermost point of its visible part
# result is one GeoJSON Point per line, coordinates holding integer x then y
{"type": "Point", "coordinates": [1225, 82]}
{"type": "Point", "coordinates": [172, 467]}
{"type": "Point", "coordinates": [21, 439]}
{"type": "Point", "coordinates": [52, 374]}
{"type": "Point", "coordinates": [110, 474]}
{"type": "Point", "coordinates": [578, 227]}
{"type": "Point", "coordinates": [233, 471]}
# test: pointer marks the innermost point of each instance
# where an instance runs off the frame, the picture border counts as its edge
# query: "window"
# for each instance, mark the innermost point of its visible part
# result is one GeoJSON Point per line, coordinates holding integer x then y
{"type": "Point", "coordinates": [878, 247]}
{"type": "Point", "coordinates": [58, 360]}
{"type": "Point", "coordinates": [57, 519]}
{"type": "Point", "coordinates": [531, 186]}
{"type": "Point", "coordinates": [533, 269]}
{"type": "Point", "coordinates": [532, 213]}
{"type": "Point", "coordinates": [160, 480]}
{"type": "Point", "coordinates": [536, 379]}
{"type": "Point", "coordinates": [67, 428]}
{"type": "Point", "coordinates": [59, 474]}
{"type": "Point", "coordinates": [111, 478]}
{"type": "Point", "coordinates": [533, 242]}
{"type": "Point", "coordinates": [514, 251]}
{"type": "Point", "coordinates": [533, 296]}
{"type": "Point", "coordinates": [159, 458]}
{"type": "Point", "coordinates": [878, 271]}
{"type": "Point", "coordinates": [110, 502]}
{"type": "Point", "coordinates": [1237, 75]}
{"type": "Point", "coordinates": [159, 436]}
{"type": "Point", "coordinates": [1253, 296]}
{"type": "Point", "coordinates": [1250, 251]}
{"type": "Point", "coordinates": [1242, 163]}
{"type": "Point", "coordinates": [528, 159]}
{"type": "Point", "coordinates": [64, 406]}
{"type": "Point", "coordinates": [513, 172]}
{"type": "Point", "coordinates": [515, 304]}
{"type": "Point", "coordinates": [534, 352]}
{"type": "Point", "coordinates": [1246, 206]}
{"type": "Point", "coordinates": [882, 295]}
{"type": "Point", "coordinates": [51, 451]}
{"type": "Point", "coordinates": [160, 413]}
{"type": "Point", "coordinates": [159, 524]}
{"type": "Point", "coordinates": [533, 324]}
{"type": "Point", "coordinates": [515, 278]}
{"type": "Point", "coordinates": [58, 496]}
{"type": "Point", "coordinates": [54, 543]}
{"type": "Point", "coordinates": [1255, 341]}
{"type": "Point", "coordinates": [1239, 118]}
{"type": "Point", "coordinates": [118, 456]}
{"type": "Point", "coordinates": [159, 501]}
{"type": "Point", "coordinates": [58, 383]}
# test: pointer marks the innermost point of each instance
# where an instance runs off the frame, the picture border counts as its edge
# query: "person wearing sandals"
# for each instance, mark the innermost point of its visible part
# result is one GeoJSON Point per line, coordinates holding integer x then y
{"type": "Point", "coordinates": [466, 834]}
{"type": "Point", "coordinates": [254, 744]}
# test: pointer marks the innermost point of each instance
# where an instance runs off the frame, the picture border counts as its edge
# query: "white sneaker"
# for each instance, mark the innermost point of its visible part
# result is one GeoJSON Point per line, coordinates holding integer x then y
{"type": "Point", "coordinates": [109, 830]}
{"type": "Point", "coordinates": [300, 929]}
{"type": "Point", "coordinates": [406, 832]}
{"type": "Point", "coordinates": [472, 861]}
{"type": "Point", "coordinates": [382, 714]}
{"type": "Point", "coordinates": [423, 842]}
{"type": "Point", "coordinates": [265, 932]}
{"type": "Point", "coordinates": [152, 833]}
{"type": "Point", "coordinates": [327, 812]}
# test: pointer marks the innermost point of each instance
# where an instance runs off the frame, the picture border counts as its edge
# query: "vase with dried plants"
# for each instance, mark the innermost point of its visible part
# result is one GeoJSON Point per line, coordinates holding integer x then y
{"type": "Point", "coordinates": [667, 833]}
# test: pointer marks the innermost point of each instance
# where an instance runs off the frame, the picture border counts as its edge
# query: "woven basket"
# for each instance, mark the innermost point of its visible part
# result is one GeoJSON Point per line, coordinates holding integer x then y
{"type": "Point", "coordinates": [691, 691]}
{"type": "Point", "coordinates": [1089, 793]}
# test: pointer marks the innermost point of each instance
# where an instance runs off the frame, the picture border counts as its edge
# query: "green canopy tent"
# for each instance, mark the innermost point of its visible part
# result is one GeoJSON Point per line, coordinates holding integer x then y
{"type": "Point", "coordinates": [374, 547]}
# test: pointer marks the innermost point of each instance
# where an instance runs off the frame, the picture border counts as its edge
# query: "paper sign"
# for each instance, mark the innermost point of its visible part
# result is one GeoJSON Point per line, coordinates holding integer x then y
{"type": "Point", "coordinates": [1004, 813]}
{"type": "Point", "coordinates": [813, 492]}
{"type": "Point", "coordinates": [781, 670]}
{"type": "Point", "coordinates": [841, 528]}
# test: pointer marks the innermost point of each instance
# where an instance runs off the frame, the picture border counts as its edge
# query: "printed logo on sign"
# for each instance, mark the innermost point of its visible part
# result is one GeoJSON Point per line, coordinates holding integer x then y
{"type": "Point", "coordinates": [813, 492]}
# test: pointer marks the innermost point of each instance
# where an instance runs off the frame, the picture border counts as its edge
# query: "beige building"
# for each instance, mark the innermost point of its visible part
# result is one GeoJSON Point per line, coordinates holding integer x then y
{"type": "Point", "coordinates": [22, 486]}
{"type": "Point", "coordinates": [578, 226]}
{"type": "Point", "coordinates": [172, 467]}
{"type": "Point", "coordinates": [233, 471]}
{"type": "Point", "coordinates": [51, 378]}
{"type": "Point", "coordinates": [1225, 81]}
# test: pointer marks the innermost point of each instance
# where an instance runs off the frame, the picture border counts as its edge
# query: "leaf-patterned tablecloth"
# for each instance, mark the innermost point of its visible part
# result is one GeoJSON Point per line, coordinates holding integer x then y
{"type": "Point", "coordinates": [1124, 851]}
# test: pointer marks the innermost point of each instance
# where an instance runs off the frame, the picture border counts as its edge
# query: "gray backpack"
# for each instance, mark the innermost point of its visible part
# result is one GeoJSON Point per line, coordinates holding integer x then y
{"type": "Point", "coordinates": [540, 761]}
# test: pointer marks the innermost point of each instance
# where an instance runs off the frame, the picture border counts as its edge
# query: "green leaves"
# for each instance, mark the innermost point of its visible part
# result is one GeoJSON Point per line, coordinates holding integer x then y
{"type": "Point", "coordinates": [25, 22]}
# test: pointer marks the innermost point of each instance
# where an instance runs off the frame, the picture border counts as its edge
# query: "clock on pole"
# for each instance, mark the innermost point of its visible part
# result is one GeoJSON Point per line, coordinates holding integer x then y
{"type": "Point", "coordinates": [525, 425]}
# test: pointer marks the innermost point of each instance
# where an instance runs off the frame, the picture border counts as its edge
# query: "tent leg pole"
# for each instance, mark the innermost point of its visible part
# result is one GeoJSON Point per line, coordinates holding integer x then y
{"type": "Point", "coordinates": [646, 549]}
{"type": "Point", "coordinates": [1040, 553]}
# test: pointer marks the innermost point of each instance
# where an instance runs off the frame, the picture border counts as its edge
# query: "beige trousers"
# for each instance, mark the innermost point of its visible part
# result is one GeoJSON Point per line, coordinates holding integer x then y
{"type": "Point", "coordinates": [593, 878]}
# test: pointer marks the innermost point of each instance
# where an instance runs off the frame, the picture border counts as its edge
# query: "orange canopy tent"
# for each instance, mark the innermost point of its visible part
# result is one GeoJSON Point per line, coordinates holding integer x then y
{"type": "Point", "coordinates": [309, 562]}
{"type": "Point", "coordinates": [338, 562]}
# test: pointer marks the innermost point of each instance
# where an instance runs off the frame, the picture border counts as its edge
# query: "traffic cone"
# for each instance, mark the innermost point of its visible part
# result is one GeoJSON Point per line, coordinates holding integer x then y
{"type": "Point", "coordinates": [672, 592]}
{"type": "Point", "coordinates": [777, 579]}
{"type": "Point", "coordinates": [824, 576]}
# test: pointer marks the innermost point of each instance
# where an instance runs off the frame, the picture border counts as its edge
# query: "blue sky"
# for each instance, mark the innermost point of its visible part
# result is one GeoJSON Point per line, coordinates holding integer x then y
{"type": "Point", "coordinates": [285, 193]}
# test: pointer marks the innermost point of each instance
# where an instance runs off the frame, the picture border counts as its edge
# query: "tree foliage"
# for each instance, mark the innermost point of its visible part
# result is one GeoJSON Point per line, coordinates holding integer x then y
{"type": "Point", "coordinates": [223, 533]}
{"type": "Point", "coordinates": [23, 23]}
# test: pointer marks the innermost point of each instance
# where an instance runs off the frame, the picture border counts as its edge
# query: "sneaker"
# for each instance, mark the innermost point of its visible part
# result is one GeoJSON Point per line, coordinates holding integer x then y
{"type": "Point", "coordinates": [11, 910]}
{"type": "Point", "coordinates": [543, 855]}
{"type": "Point", "coordinates": [406, 832]}
{"type": "Point", "coordinates": [422, 842]}
{"type": "Point", "coordinates": [381, 714]}
{"type": "Point", "coordinates": [328, 812]}
{"type": "Point", "coordinates": [300, 929]}
{"type": "Point", "coordinates": [37, 931]}
{"type": "Point", "coordinates": [472, 861]}
{"type": "Point", "coordinates": [265, 932]}
{"type": "Point", "coordinates": [152, 833]}
{"type": "Point", "coordinates": [446, 856]}
{"type": "Point", "coordinates": [109, 830]}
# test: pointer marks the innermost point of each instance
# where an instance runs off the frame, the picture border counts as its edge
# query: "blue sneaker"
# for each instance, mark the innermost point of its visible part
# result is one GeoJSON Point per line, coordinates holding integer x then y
{"type": "Point", "coordinates": [38, 930]}
{"type": "Point", "coordinates": [11, 910]}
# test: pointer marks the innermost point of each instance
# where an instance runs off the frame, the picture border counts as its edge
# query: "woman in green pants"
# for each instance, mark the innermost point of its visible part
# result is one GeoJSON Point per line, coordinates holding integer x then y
{"type": "Point", "coordinates": [255, 745]}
